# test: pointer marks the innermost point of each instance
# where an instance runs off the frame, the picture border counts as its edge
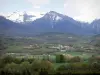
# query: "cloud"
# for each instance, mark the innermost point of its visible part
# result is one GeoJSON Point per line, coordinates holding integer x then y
{"type": "Point", "coordinates": [84, 10]}
{"type": "Point", "coordinates": [38, 3]}
{"type": "Point", "coordinates": [37, 7]}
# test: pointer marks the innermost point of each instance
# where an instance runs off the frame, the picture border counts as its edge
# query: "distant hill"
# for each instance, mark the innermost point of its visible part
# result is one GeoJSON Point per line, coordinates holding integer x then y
{"type": "Point", "coordinates": [63, 38]}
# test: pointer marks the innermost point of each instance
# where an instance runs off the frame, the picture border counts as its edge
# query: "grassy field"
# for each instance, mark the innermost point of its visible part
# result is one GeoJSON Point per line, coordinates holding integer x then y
{"type": "Point", "coordinates": [17, 44]}
{"type": "Point", "coordinates": [20, 49]}
{"type": "Point", "coordinates": [43, 52]}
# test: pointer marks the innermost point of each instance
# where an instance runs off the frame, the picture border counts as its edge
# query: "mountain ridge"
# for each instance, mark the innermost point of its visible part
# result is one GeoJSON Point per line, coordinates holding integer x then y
{"type": "Point", "coordinates": [50, 22]}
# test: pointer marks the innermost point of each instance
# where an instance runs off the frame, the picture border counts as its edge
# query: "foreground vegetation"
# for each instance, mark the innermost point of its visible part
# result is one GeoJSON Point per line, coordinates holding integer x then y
{"type": "Point", "coordinates": [63, 65]}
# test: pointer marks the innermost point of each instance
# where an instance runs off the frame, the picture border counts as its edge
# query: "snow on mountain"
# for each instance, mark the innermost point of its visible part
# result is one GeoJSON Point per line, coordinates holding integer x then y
{"type": "Point", "coordinates": [53, 16]}
{"type": "Point", "coordinates": [22, 16]}
{"type": "Point", "coordinates": [50, 22]}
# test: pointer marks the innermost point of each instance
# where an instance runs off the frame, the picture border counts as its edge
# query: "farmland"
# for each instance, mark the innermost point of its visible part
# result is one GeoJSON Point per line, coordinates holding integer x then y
{"type": "Point", "coordinates": [52, 44]}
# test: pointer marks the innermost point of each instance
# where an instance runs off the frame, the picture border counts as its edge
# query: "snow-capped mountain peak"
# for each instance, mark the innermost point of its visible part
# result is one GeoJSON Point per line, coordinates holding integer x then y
{"type": "Point", "coordinates": [22, 16]}
{"type": "Point", "coordinates": [53, 16]}
{"type": "Point", "coordinates": [15, 16]}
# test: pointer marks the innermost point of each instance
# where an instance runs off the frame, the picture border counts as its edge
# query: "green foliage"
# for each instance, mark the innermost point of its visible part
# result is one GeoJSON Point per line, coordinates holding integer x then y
{"type": "Point", "coordinates": [94, 59]}
{"type": "Point", "coordinates": [3, 45]}
{"type": "Point", "coordinates": [42, 66]}
{"type": "Point", "coordinates": [78, 68]}
{"type": "Point", "coordinates": [15, 66]}
{"type": "Point", "coordinates": [36, 66]}
{"type": "Point", "coordinates": [12, 68]}
{"type": "Point", "coordinates": [62, 67]}
{"type": "Point", "coordinates": [25, 68]}
{"type": "Point", "coordinates": [75, 59]}
{"type": "Point", "coordinates": [60, 58]}
{"type": "Point", "coordinates": [7, 59]}
{"type": "Point", "coordinates": [47, 66]}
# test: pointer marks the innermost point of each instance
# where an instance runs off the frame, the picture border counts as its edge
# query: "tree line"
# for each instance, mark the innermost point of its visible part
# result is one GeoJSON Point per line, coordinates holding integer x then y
{"type": "Point", "coordinates": [30, 66]}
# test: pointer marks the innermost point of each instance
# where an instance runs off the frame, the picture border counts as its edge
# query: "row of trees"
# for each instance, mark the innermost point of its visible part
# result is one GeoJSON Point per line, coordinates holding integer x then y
{"type": "Point", "coordinates": [67, 58]}
{"type": "Point", "coordinates": [30, 66]}
{"type": "Point", "coordinates": [73, 59]}
{"type": "Point", "coordinates": [23, 66]}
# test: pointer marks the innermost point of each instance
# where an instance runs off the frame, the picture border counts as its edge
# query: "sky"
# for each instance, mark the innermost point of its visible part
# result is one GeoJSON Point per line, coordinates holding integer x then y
{"type": "Point", "coordinates": [82, 10]}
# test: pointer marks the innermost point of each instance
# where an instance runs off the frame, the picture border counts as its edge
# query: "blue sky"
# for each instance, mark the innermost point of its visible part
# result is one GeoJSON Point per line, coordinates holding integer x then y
{"type": "Point", "coordinates": [83, 10]}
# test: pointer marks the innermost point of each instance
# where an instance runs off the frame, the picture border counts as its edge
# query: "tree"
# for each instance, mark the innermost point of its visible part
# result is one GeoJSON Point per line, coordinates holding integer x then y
{"type": "Point", "coordinates": [92, 59]}
{"type": "Point", "coordinates": [60, 58]}
{"type": "Point", "coordinates": [76, 59]}
{"type": "Point", "coordinates": [7, 59]}
{"type": "Point", "coordinates": [36, 67]}
{"type": "Point", "coordinates": [42, 67]}
{"type": "Point", "coordinates": [3, 44]}
{"type": "Point", "coordinates": [47, 66]}
{"type": "Point", "coordinates": [12, 69]}
{"type": "Point", "coordinates": [25, 68]}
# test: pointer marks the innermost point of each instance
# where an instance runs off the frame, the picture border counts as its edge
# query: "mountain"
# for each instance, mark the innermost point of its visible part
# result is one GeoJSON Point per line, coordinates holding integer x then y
{"type": "Point", "coordinates": [50, 22]}
{"type": "Point", "coordinates": [95, 40]}
{"type": "Point", "coordinates": [20, 17]}
{"type": "Point", "coordinates": [8, 27]}
{"type": "Point", "coordinates": [55, 22]}
{"type": "Point", "coordinates": [95, 25]}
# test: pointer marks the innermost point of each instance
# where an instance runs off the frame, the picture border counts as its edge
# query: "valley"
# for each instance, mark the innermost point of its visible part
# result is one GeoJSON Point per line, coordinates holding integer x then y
{"type": "Point", "coordinates": [54, 44]}
{"type": "Point", "coordinates": [51, 44]}
{"type": "Point", "coordinates": [59, 49]}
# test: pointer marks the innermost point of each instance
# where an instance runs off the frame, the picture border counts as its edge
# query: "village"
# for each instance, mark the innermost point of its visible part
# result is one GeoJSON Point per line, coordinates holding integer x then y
{"type": "Point", "coordinates": [59, 47]}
